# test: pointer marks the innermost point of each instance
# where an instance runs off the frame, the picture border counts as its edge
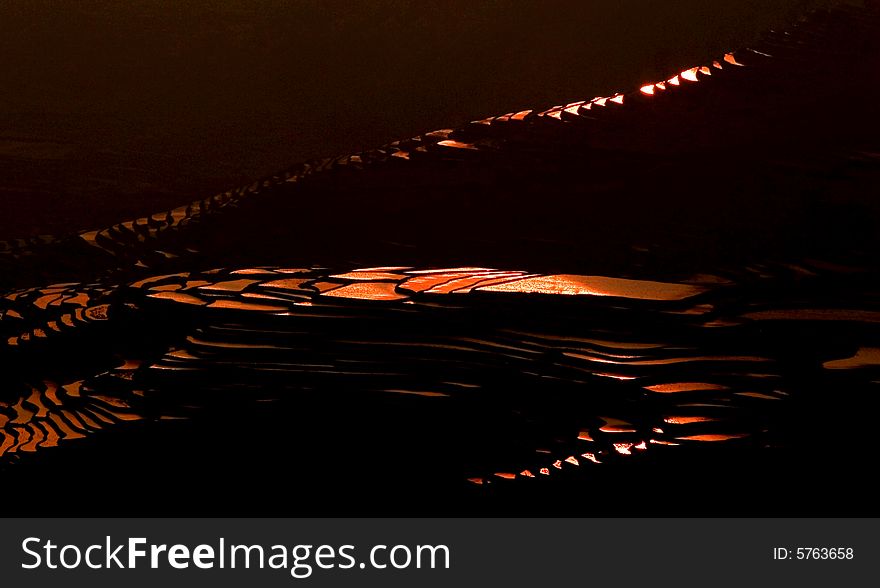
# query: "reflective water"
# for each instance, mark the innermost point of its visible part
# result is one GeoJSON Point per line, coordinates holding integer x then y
{"type": "Point", "coordinates": [608, 301]}
{"type": "Point", "coordinates": [490, 341]}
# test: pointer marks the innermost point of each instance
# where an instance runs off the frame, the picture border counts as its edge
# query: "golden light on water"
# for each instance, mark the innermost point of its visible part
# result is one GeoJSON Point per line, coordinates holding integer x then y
{"type": "Point", "coordinates": [729, 58]}
{"type": "Point", "coordinates": [690, 74]}
{"type": "Point", "coordinates": [367, 291]}
{"type": "Point", "coordinates": [684, 387]}
{"type": "Point", "coordinates": [864, 357]}
{"type": "Point", "coordinates": [715, 437]}
{"type": "Point", "coordinates": [572, 285]}
{"type": "Point", "coordinates": [623, 448]}
{"type": "Point", "coordinates": [686, 420]}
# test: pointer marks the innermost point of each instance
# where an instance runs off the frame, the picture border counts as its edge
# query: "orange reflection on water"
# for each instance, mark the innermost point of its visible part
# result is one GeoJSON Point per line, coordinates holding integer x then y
{"type": "Point", "coordinates": [457, 281]}
{"type": "Point", "coordinates": [44, 301]}
{"type": "Point", "coordinates": [684, 387]}
{"type": "Point", "coordinates": [178, 297]}
{"type": "Point", "coordinates": [64, 428]}
{"type": "Point", "coordinates": [616, 426]}
{"type": "Point", "coordinates": [420, 393]}
{"type": "Point", "coordinates": [623, 448]}
{"type": "Point", "coordinates": [690, 74]}
{"type": "Point", "coordinates": [574, 285]}
{"type": "Point", "coordinates": [251, 271]}
{"type": "Point", "coordinates": [757, 395]}
{"type": "Point", "coordinates": [52, 437]}
{"type": "Point", "coordinates": [667, 361]}
{"type": "Point", "coordinates": [324, 287]}
{"type": "Point", "coordinates": [367, 275]}
{"type": "Point", "coordinates": [613, 376]}
{"type": "Point", "coordinates": [367, 291]}
{"type": "Point", "coordinates": [686, 420]}
{"type": "Point", "coordinates": [285, 284]}
{"type": "Point", "coordinates": [714, 437]}
{"type": "Point", "coordinates": [383, 268]}
{"type": "Point", "coordinates": [729, 58]}
{"type": "Point", "coordinates": [648, 89]}
{"type": "Point", "coordinates": [263, 297]}
{"type": "Point", "coordinates": [230, 286]}
{"type": "Point", "coordinates": [22, 415]}
{"type": "Point", "coordinates": [35, 400]}
{"type": "Point", "coordinates": [864, 357]}
{"type": "Point", "coordinates": [457, 145]}
{"type": "Point", "coordinates": [452, 269]}
{"type": "Point", "coordinates": [73, 389]}
{"type": "Point", "coordinates": [195, 283]}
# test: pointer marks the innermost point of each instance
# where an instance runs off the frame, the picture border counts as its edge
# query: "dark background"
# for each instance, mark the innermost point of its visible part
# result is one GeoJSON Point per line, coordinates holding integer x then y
{"type": "Point", "coordinates": [116, 109]}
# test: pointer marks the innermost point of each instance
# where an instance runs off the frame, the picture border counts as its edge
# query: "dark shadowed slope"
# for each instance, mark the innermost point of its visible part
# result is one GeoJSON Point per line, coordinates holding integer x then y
{"type": "Point", "coordinates": [115, 110]}
{"type": "Point", "coordinates": [754, 153]}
